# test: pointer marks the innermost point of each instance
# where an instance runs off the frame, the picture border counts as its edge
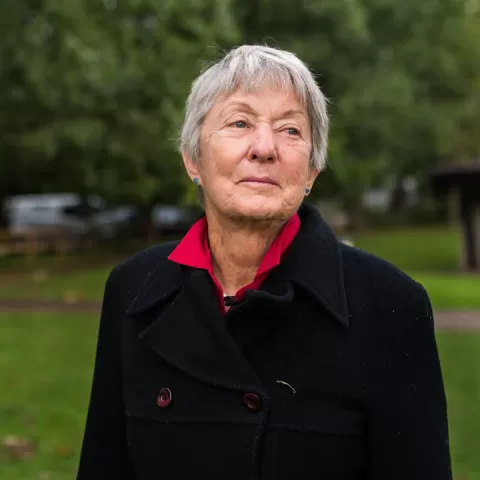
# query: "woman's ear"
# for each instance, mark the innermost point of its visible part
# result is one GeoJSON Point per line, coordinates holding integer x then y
{"type": "Point", "coordinates": [192, 167]}
{"type": "Point", "coordinates": [312, 175]}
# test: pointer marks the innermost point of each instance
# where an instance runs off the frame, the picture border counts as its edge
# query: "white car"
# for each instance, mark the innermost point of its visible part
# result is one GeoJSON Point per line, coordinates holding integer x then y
{"type": "Point", "coordinates": [65, 211]}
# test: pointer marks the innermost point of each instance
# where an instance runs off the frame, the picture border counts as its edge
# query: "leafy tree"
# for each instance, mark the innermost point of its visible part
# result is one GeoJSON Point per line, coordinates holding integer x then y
{"type": "Point", "coordinates": [402, 78]}
{"type": "Point", "coordinates": [94, 92]}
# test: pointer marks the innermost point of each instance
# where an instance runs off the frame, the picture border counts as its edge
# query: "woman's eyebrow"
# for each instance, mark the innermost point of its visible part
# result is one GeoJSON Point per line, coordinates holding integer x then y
{"type": "Point", "coordinates": [248, 108]}
{"type": "Point", "coordinates": [291, 113]}
{"type": "Point", "coordinates": [240, 106]}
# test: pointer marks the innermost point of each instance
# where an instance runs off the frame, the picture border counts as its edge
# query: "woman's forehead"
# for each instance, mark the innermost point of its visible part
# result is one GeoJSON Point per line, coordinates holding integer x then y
{"type": "Point", "coordinates": [261, 101]}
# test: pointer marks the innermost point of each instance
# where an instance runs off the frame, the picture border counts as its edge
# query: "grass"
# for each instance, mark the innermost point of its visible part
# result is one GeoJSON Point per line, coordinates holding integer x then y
{"type": "Point", "coordinates": [81, 284]}
{"type": "Point", "coordinates": [419, 249]}
{"type": "Point", "coordinates": [460, 356]}
{"type": "Point", "coordinates": [45, 371]}
{"type": "Point", "coordinates": [448, 291]}
{"type": "Point", "coordinates": [430, 256]}
{"type": "Point", "coordinates": [451, 291]}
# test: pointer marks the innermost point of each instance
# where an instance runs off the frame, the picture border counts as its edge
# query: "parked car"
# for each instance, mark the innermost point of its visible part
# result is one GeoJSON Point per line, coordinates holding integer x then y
{"type": "Point", "coordinates": [174, 219]}
{"type": "Point", "coordinates": [68, 212]}
{"type": "Point", "coordinates": [77, 215]}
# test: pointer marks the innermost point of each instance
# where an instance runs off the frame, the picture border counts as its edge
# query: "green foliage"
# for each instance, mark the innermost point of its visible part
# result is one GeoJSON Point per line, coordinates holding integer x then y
{"type": "Point", "coordinates": [403, 79]}
{"type": "Point", "coordinates": [99, 89]}
{"type": "Point", "coordinates": [92, 92]}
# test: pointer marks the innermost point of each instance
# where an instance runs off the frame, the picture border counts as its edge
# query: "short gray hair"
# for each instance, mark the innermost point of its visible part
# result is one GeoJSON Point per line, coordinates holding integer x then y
{"type": "Point", "coordinates": [251, 67]}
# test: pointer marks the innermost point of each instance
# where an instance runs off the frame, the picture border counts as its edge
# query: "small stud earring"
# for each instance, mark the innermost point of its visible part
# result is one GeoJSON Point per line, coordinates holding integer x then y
{"type": "Point", "coordinates": [195, 180]}
{"type": "Point", "coordinates": [307, 191]}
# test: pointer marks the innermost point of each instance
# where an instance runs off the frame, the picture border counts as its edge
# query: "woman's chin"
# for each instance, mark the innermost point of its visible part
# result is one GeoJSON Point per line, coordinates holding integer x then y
{"type": "Point", "coordinates": [259, 208]}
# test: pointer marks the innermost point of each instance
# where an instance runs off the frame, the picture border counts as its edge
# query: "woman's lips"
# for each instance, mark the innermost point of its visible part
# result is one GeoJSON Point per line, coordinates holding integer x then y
{"type": "Point", "coordinates": [259, 180]}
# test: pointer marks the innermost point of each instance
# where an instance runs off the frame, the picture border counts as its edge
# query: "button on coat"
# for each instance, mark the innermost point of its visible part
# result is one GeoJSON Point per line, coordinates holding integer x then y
{"type": "Point", "coordinates": [252, 402]}
{"type": "Point", "coordinates": [164, 398]}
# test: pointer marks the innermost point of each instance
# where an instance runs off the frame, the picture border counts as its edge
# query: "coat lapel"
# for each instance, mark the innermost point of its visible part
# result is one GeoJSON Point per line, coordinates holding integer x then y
{"type": "Point", "coordinates": [189, 332]}
{"type": "Point", "coordinates": [185, 326]}
{"type": "Point", "coordinates": [314, 263]}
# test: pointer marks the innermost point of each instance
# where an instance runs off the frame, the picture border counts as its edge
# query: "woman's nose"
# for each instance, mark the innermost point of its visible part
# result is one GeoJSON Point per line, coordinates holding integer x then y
{"type": "Point", "coordinates": [263, 148]}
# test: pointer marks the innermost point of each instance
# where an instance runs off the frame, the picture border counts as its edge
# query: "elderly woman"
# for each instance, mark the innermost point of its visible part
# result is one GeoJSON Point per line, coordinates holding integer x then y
{"type": "Point", "coordinates": [259, 346]}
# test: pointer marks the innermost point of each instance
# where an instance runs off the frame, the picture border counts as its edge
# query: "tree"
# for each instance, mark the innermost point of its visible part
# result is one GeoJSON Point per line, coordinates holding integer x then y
{"type": "Point", "coordinates": [402, 79]}
{"type": "Point", "coordinates": [94, 93]}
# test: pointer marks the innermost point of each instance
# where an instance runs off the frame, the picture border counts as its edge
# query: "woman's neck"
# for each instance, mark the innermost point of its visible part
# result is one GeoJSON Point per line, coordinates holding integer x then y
{"type": "Point", "coordinates": [238, 248]}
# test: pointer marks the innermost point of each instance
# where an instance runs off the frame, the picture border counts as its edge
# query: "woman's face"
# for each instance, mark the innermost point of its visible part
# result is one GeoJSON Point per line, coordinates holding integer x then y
{"type": "Point", "coordinates": [254, 155]}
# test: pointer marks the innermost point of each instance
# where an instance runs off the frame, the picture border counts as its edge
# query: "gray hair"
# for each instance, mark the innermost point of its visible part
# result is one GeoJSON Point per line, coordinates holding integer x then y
{"type": "Point", "coordinates": [251, 67]}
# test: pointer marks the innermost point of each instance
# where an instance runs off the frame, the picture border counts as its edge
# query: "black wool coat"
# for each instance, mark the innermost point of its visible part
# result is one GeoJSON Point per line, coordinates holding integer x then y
{"type": "Point", "coordinates": [330, 371]}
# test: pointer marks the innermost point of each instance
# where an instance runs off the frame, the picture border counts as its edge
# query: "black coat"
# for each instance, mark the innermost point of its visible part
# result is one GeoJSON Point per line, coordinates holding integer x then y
{"type": "Point", "coordinates": [330, 371]}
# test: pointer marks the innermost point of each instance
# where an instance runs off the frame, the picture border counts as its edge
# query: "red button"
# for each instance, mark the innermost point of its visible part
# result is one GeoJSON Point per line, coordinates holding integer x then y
{"type": "Point", "coordinates": [164, 397]}
{"type": "Point", "coordinates": [252, 402]}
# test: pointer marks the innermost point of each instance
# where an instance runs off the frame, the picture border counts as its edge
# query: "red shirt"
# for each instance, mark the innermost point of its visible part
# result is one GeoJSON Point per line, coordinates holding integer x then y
{"type": "Point", "coordinates": [193, 251]}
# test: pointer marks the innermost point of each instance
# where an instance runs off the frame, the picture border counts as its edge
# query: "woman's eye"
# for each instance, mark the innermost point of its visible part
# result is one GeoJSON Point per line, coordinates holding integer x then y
{"type": "Point", "coordinates": [293, 131]}
{"type": "Point", "coordinates": [240, 124]}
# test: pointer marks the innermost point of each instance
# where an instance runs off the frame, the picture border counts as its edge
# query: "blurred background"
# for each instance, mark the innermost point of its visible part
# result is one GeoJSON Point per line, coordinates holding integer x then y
{"type": "Point", "coordinates": [91, 99]}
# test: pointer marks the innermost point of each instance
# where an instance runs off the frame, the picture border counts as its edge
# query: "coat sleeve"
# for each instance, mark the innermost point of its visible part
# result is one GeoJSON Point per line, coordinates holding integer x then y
{"type": "Point", "coordinates": [408, 428]}
{"type": "Point", "coordinates": [104, 450]}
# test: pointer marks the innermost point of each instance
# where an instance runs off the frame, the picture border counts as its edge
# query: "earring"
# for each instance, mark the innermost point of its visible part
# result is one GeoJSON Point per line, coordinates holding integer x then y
{"type": "Point", "coordinates": [307, 191]}
{"type": "Point", "coordinates": [195, 180]}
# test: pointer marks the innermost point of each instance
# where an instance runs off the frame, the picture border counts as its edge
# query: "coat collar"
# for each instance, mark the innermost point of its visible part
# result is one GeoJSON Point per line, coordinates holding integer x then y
{"type": "Point", "coordinates": [313, 262]}
{"type": "Point", "coordinates": [190, 334]}
{"type": "Point", "coordinates": [177, 313]}
{"type": "Point", "coordinates": [161, 283]}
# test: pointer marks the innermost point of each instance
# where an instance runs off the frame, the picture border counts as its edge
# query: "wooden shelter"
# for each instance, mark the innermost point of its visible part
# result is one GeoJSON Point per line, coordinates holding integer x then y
{"type": "Point", "coordinates": [463, 182]}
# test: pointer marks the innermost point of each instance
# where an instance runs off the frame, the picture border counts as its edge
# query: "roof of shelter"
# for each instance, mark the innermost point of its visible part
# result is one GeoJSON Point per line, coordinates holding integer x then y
{"type": "Point", "coordinates": [459, 175]}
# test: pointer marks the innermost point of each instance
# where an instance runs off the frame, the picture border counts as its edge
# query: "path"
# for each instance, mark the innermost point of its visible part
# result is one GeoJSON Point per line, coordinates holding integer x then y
{"type": "Point", "coordinates": [443, 320]}
{"type": "Point", "coordinates": [457, 320]}
{"type": "Point", "coordinates": [31, 305]}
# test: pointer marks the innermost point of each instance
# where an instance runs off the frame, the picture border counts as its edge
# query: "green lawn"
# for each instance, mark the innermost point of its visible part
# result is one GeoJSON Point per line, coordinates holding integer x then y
{"type": "Point", "coordinates": [45, 373]}
{"type": "Point", "coordinates": [414, 249]}
{"type": "Point", "coordinates": [82, 283]}
{"type": "Point", "coordinates": [451, 291]}
{"type": "Point", "coordinates": [448, 291]}
{"type": "Point", "coordinates": [460, 356]}
{"type": "Point", "coordinates": [428, 255]}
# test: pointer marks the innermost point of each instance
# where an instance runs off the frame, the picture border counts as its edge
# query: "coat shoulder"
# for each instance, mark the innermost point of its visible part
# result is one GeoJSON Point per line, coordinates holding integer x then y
{"type": "Point", "coordinates": [147, 259]}
{"type": "Point", "coordinates": [376, 277]}
{"type": "Point", "coordinates": [128, 277]}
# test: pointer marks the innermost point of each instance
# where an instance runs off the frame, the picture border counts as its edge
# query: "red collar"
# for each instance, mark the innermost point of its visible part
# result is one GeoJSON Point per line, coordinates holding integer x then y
{"type": "Point", "coordinates": [193, 251]}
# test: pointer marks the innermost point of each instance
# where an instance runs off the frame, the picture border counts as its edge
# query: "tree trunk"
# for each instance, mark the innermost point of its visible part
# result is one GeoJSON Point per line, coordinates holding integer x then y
{"type": "Point", "coordinates": [453, 208]}
{"type": "Point", "coordinates": [355, 211]}
{"type": "Point", "coordinates": [147, 228]}
{"type": "Point", "coordinates": [3, 214]}
{"type": "Point", "coordinates": [398, 197]}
